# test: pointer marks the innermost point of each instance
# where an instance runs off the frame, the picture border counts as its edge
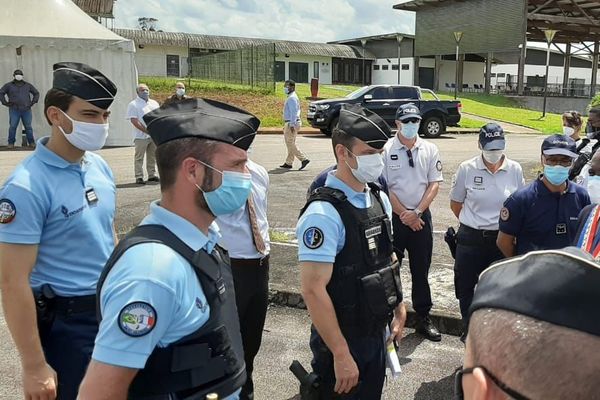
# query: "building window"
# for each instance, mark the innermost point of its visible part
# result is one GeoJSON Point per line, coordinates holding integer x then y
{"type": "Point", "coordinates": [493, 75]}
{"type": "Point", "coordinates": [395, 67]}
{"type": "Point", "coordinates": [405, 67]}
{"type": "Point", "coordinates": [502, 75]}
{"type": "Point", "coordinates": [385, 67]}
{"type": "Point", "coordinates": [316, 69]}
{"type": "Point", "coordinates": [376, 67]}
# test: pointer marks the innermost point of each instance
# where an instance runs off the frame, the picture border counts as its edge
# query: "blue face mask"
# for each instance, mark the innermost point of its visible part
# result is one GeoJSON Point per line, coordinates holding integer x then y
{"type": "Point", "coordinates": [410, 130]}
{"type": "Point", "coordinates": [231, 195]}
{"type": "Point", "coordinates": [286, 90]}
{"type": "Point", "coordinates": [556, 174]}
{"type": "Point", "coordinates": [144, 95]}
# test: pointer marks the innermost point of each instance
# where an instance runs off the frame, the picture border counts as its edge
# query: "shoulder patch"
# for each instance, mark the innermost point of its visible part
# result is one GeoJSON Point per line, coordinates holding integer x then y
{"type": "Point", "coordinates": [8, 211]}
{"type": "Point", "coordinates": [438, 166]}
{"type": "Point", "coordinates": [504, 214]}
{"type": "Point", "coordinates": [137, 319]}
{"type": "Point", "coordinates": [579, 180]}
{"type": "Point", "coordinates": [313, 238]}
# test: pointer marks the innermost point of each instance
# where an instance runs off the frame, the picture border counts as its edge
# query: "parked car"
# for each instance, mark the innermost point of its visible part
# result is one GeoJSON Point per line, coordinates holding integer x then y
{"type": "Point", "coordinates": [385, 100]}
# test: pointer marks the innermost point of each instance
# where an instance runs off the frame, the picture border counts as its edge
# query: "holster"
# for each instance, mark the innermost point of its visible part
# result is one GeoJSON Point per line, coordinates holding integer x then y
{"type": "Point", "coordinates": [45, 309]}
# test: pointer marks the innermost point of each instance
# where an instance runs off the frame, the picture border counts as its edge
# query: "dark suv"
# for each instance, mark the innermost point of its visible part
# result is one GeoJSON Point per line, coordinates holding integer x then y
{"type": "Point", "coordinates": [385, 100]}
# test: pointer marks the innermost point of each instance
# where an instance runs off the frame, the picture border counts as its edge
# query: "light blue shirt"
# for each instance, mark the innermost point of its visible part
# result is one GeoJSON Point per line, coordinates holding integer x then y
{"type": "Point", "coordinates": [46, 197]}
{"type": "Point", "coordinates": [155, 275]}
{"type": "Point", "coordinates": [291, 109]}
{"type": "Point", "coordinates": [324, 216]}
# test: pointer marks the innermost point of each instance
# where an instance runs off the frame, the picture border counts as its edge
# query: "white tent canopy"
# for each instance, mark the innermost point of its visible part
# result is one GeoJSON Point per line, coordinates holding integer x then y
{"type": "Point", "coordinates": [35, 34]}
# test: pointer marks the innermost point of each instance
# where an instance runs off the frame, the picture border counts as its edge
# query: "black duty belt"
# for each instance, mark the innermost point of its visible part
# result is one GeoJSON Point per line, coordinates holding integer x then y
{"type": "Point", "coordinates": [74, 305]}
{"type": "Point", "coordinates": [471, 236]}
{"type": "Point", "coordinates": [250, 262]}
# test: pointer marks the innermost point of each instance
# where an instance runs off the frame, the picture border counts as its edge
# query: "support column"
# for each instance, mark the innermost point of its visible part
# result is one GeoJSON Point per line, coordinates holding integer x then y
{"type": "Point", "coordinates": [567, 66]}
{"type": "Point", "coordinates": [595, 69]}
{"type": "Point", "coordinates": [436, 74]}
{"type": "Point", "coordinates": [488, 73]}
{"type": "Point", "coordinates": [521, 73]}
{"type": "Point", "coordinates": [461, 72]}
{"type": "Point", "coordinates": [416, 71]}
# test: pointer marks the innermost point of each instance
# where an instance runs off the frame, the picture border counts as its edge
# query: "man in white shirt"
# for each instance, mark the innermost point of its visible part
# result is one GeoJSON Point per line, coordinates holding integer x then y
{"type": "Point", "coordinates": [245, 235]}
{"type": "Point", "coordinates": [413, 171]}
{"type": "Point", "coordinates": [144, 146]}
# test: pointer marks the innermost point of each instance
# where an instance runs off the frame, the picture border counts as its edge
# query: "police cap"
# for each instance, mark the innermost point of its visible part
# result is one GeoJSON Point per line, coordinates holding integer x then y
{"type": "Point", "coordinates": [408, 111]}
{"type": "Point", "coordinates": [204, 119]}
{"type": "Point", "coordinates": [364, 124]}
{"type": "Point", "coordinates": [491, 137]}
{"type": "Point", "coordinates": [555, 286]}
{"type": "Point", "coordinates": [85, 82]}
{"type": "Point", "coordinates": [559, 145]}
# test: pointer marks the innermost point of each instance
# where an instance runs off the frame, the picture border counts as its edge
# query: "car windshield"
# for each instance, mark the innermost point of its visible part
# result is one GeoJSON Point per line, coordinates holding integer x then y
{"type": "Point", "coordinates": [357, 93]}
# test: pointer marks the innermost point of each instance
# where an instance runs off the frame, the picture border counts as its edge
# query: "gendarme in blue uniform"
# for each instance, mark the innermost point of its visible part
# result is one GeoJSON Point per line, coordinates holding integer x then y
{"type": "Point", "coordinates": [153, 280]}
{"type": "Point", "coordinates": [540, 219]}
{"type": "Point", "coordinates": [74, 237]}
{"type": "Point", "coordinates": [324, 216]}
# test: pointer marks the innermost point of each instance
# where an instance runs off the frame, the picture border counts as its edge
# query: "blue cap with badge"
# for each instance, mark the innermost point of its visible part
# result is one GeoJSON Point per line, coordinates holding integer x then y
{"type": "Point", "coordinates": [559, 145]}
{"type": "Point", "coordinates": [491, 137]}
{"type": "Point", "coordinates": [408, 111]}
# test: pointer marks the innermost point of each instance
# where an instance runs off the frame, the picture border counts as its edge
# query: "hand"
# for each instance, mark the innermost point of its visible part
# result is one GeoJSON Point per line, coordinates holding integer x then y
{"type": "Point", "coordinates": [418, 225]}
{"type": "Point", "coordinates": [346, 373]}
{"type": "Point", "coordinates": [397, 325]}
{"type": "Point", "coordinates": [409, 217]}
{"type": "Point", "coordinates": [40, 382]}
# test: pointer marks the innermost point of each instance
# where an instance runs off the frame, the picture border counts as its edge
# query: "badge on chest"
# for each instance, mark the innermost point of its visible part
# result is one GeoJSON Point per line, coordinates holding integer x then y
{"type": "Point", "coordinates": [561, 229]}
{"type": "Point", "coordinates": [371, 234]}
{"type": "Point", "coordinates": [90, 196]}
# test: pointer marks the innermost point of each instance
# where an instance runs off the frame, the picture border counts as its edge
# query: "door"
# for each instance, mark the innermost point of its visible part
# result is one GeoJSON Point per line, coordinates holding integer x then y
{"type": "Point", "coordinates": [426, 77]}
{"type": "Point", "coordinates": [299, 72]}
{"type": "Point", "coordinates": [172, 65]}
{"type": "Point", "coordinates": [316, 65]}
{"type": "Point", "coordinates": [381, 103]}
{"type": "Point", "coordinates": [279, 71]}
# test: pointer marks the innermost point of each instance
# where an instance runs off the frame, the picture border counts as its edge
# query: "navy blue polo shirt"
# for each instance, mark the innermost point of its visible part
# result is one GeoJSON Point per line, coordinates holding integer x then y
{"type": "Point", "coordinates": [540, 219]}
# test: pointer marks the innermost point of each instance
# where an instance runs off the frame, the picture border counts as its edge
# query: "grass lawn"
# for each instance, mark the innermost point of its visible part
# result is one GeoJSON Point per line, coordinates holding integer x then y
{"type": "Point", "coordinates": [508, 110]}
{"type": "Point", "coordinates": [264, 104]}
{"type": "Point", "coordinates": [465, 122]}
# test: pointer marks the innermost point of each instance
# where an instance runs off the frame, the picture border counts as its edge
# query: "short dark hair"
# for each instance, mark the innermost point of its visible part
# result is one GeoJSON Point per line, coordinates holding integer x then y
{"type": "Point", "coordinates": [290, 82]}
{"type": "Point", "coordinates": [338, 136]}
{"type": "Point", "coordinates": [170, 155]}
{"type": "Point", "coordinates": [57, 98]}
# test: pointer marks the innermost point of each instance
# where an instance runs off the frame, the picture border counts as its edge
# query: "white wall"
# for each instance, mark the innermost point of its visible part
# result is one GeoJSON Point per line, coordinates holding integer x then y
{"type": "Point", "coordinates": [325, 66]}
{"type": "Point", "coordinates": [555, 74]}
{"type": "Point", "coordinates": [473, 73]}
{"type": "Point", "coordinates": [390, 77]}
{"type": "Point", "coordinates": [152, 60]}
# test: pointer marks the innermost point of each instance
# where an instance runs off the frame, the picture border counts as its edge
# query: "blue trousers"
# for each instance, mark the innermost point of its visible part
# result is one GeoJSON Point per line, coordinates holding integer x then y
{"type": "Point", "coordinates": [14, 117]}
{"type": "Point", "coordinates": [68, 349]}
{"type": "Point", "coordinates": [369, 355]}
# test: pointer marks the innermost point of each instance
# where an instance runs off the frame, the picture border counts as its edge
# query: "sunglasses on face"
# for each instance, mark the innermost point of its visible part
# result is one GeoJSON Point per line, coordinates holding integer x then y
{"type": "Point", "coordinates": [411, 121]}
{"type": "Point", "coordinates": [458, 387]}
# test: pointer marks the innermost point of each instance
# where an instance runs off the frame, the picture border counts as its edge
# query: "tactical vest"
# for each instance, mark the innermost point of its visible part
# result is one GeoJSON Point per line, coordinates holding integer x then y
{"type": "Point", "coordinates": [211, 359]}
{"type": "Point", "coordinates": [365, 286]}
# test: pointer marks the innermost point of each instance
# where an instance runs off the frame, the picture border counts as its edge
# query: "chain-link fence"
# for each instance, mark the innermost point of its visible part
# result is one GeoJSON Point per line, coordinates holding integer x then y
{"type": "Point", "coordinates": [253, 66]}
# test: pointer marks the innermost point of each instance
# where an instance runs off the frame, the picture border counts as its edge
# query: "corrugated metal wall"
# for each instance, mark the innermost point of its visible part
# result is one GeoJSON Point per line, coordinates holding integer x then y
{"type": "Point", "coordinates": [488, 25]}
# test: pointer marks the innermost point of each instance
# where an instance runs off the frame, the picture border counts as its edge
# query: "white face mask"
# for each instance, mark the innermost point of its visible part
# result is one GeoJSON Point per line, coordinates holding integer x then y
{"type": "Point", "coordinates": [493, 156]}
{"type": "Point", "coordinates": [568, 131]}
{"type": "Point", "coordinates": [594, 189]}
{"type": "Point", "coordinates": [19, 77]}
{"type": "Point", "coordinates": [410, 130]}
{"type": "Point", "coordinates": [369, 167]}
{"type": "Point", "coordinates": [86, 136]}
{"type": "Point", "coordinates": [180, 92]}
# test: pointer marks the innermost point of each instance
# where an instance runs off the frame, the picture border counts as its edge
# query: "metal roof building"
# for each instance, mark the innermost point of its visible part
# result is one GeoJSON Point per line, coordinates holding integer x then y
{"type": "Point", "coordinates": [97, 8]}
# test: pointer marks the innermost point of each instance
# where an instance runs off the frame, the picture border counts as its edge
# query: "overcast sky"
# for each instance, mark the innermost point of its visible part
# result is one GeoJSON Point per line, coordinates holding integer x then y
{"type": "Point", "coordinates": [302, 20]}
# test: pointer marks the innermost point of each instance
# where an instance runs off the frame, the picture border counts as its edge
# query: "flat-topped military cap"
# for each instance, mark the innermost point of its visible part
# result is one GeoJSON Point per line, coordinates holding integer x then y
{"type": "Point", "coordinates": [555, 286]}
{"type": "Point", "coordinates": [364, 124]}
{"type": "Point", "coordinates": [204, 119]}
{"type": "Point", "coordinates": [85, 82]}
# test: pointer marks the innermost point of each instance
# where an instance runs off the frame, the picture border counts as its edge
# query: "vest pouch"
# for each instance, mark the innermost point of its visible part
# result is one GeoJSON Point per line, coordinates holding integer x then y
{"type": "Point", "coordinates": [379, 292]}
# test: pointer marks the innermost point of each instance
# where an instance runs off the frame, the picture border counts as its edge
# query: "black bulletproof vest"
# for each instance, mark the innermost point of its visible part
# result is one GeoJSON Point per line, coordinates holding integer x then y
{"type": "Point", "coordinates": [364, 287]}
{"type": "Point", "coordinates": [210, 360]}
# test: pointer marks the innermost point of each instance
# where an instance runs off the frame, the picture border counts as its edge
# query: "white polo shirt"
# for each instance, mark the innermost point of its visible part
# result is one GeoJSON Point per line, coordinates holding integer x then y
{"type": "Point", "coordinates": [410, 183]}
{"type": "Point", "coordinates": [236, 233]}
{"type": "Point", "coordinates": [483, 193]}
{"type": "Point", "coordinates": [137, 109]}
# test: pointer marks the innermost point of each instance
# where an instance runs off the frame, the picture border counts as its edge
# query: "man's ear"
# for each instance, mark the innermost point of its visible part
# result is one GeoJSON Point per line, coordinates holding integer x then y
{"type": "Point", "coordinates": [191, 172]}
{"type": "Point", "coordinates": [398, 125]}
{"type": "Point", "coordinates": [54, 115]}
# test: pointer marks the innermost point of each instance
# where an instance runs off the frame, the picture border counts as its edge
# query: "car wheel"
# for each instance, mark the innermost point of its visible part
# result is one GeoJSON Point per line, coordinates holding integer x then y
{"type": "Point", "coordinates": [326, 132]}
{"type": "Point", "coordinates": [433, 127]}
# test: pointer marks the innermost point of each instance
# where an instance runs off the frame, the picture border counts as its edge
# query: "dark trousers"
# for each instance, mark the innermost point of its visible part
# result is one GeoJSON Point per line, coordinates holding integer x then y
{"type": "Point", "coordinates": [475, 251]}
{"type": "Point", "coordinates": [369, 356]}
{"type": "Point", "coordinates": [419, 246]}
{"type": "Point", "coordinates": [68, 347]}
{"type": "Point", "coordinates": [251, 281]}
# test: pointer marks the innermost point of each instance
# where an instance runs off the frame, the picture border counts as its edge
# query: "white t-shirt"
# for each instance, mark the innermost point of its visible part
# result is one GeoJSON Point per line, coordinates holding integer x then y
{"type": "Point", "coordinates": [483, 193]}
{"type": "Point", "coordinates": [137, 109]}
{"type": "Point", "coordinates": [410, 183]}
